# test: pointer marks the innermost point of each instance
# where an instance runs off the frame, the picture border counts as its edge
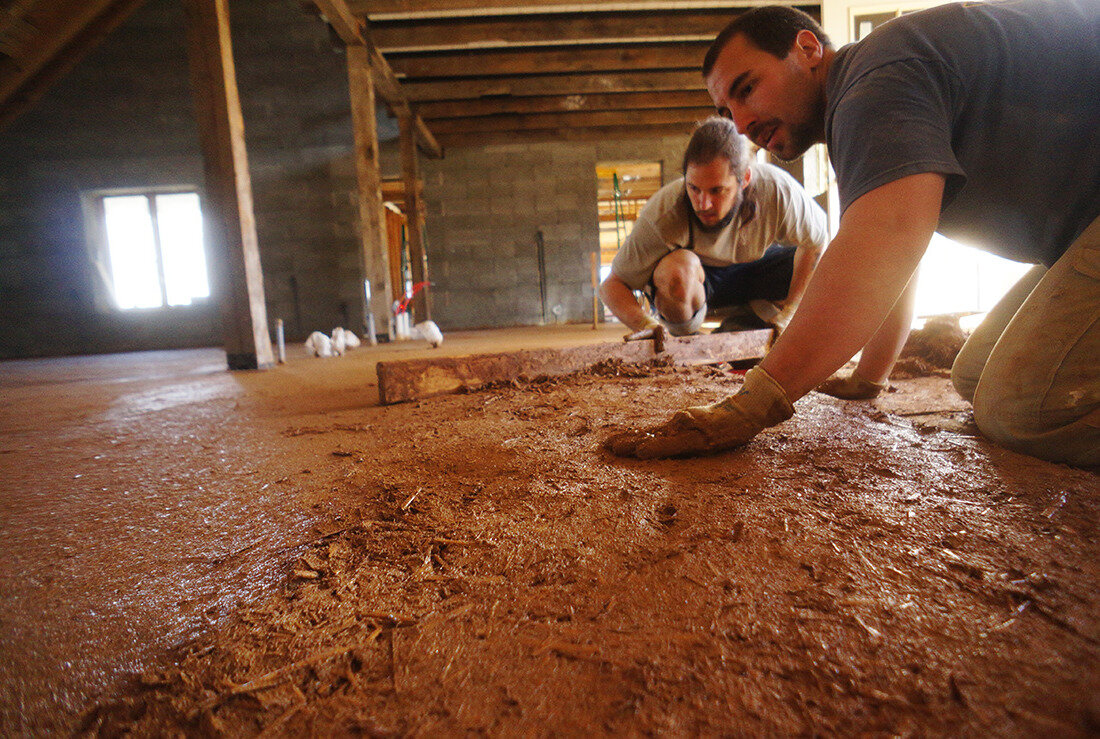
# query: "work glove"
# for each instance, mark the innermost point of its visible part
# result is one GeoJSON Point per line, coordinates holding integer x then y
{"type": "Point", "coordinates": [729, 423]}
{"type": "Point", "coordinates": [652, 330]}
{"type": "Point", "coordinates": [850, 387]}
{"type": "Point", "coordinates": [775, 314]}
{"type": "Point", "coordinates": [646, 331]}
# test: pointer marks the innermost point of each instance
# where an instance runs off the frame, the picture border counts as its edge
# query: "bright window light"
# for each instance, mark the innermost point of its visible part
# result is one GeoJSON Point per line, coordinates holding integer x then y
{"type": "Point", "coordinates": [133, 252]}
{"type": "Point", "coordinates": [955, 278]}
{"type": "Point", "coordinates": [155, 246]}
{"type": "Point", "coordinates": [180, 224]}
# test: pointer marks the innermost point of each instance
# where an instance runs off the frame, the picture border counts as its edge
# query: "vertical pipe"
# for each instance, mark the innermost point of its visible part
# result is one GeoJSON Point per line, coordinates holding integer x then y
{"type": "Point", "coordinates": [280, 340]}
{"type": "Point", "coordinates": [595, 259]}
{"type": "Point", "coordinates": [368, 315]}
{"type": "Point", "coordinates": [541, 247]}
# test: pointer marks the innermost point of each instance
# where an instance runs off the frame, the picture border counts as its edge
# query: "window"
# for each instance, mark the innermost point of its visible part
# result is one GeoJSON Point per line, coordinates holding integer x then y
{"type": "Point", "coordinates": [150, 252]}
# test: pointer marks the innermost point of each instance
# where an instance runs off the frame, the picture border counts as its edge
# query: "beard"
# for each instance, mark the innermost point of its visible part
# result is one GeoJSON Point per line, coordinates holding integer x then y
{"type": "Point", "coordinates": [723, 222]}
{"type": "Point", "coordinates": [805, 133]}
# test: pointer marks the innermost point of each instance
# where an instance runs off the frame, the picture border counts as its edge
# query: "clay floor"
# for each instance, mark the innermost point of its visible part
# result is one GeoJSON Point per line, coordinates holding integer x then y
{"type": "Point", "coordinates": [189, 550]}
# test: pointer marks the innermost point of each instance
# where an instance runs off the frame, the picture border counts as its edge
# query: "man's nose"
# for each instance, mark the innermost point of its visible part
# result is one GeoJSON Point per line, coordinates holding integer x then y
{"type": "Point", "coordinates": [742, 117]}
{"type": "Point", "coordinates": [704, 201]}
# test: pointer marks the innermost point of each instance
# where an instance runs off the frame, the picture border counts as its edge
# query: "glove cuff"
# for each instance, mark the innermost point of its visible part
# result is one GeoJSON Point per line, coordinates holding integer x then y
{"type": "Point", "coordinates": [650, 322]}
{"type": "Point", "coordinates": [764, 398]}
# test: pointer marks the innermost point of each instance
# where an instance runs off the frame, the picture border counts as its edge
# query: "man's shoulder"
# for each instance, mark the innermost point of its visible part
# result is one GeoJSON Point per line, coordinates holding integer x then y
{"type": "Point", "coordinates": [770, 181]}
{"type": "Point", "coordinates": [669, 198]}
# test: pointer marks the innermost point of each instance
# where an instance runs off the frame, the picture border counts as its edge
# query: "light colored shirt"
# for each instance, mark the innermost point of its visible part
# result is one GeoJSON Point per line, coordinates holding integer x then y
{"type": "Point", "coordinates": [785, 215]}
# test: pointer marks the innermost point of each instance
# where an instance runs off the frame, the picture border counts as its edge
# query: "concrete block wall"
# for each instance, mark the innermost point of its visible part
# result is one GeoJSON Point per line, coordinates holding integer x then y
{"type": "Point", "coordinates": [485, 207]}
{"type": "Point", "coordinates": [124, 119]}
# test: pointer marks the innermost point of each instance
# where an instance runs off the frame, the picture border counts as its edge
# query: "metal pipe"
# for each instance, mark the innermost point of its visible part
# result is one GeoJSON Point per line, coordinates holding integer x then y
{"type": "Point", "coordinates": [280, 340]}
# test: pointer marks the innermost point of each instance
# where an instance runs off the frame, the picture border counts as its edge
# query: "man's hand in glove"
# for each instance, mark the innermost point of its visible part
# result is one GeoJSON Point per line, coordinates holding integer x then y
{"type": "Point", "coordinates": [775, 314]}
{"type": "Point", "coordinates": [850, 387]}
{"type": "Point", "coordinates": [651, 330]}
{"type": "Point", "coordinates": [729, 423]}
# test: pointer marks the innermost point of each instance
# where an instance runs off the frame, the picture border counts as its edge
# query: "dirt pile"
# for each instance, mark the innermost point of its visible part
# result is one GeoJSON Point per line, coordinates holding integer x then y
{"type": "Point", "coordinates": [930, 350]}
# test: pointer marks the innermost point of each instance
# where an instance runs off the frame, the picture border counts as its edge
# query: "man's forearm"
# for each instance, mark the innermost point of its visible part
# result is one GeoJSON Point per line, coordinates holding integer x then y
{"type": "Point", "coordinates": [618, 296]}
{"type": "Point", "coordinates": [882, 237]}
{"type": "Point", "coordinates": [878, 357]}
{"type": "Point", "coordinates": [805, 261]}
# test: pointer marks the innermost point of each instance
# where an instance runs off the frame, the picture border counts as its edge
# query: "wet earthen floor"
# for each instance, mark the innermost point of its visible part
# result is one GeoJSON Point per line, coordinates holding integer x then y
{"type": "Point", "coordinates": [190, 550]}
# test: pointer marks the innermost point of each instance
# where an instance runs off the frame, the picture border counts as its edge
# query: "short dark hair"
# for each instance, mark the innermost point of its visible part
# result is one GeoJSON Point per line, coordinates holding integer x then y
{"type": "Point", "coordinates": [716, 138]}
{"type": "Point", "coordinates": [772, 28]}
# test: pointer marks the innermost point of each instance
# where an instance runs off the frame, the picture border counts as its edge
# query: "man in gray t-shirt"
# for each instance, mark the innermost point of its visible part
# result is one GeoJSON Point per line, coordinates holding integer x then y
{"type": "Point", "coordinates": [979, 120]}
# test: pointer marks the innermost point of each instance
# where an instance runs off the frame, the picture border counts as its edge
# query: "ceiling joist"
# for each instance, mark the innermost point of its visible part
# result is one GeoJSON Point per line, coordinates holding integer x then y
{"type": "Point", "coordinates": [570, 84]}
{"type": "Point", "coordinates": [565, 103]}
{"type": "Point", "coordinates": [557, 60]}
{"type": "Point", "coordinates": [351, 31]}
{"type": "Point", "coordinates": [414, 9]}
{"type": "Point", "coordinates": [494, 71]}
{"type": "Point", "coordinates": [600, 119]}
{"type": "Point", "coordinates": [542, 30]}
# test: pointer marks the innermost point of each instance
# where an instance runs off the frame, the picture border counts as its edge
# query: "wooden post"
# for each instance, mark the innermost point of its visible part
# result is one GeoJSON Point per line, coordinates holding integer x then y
{"type": "Point", "coordinates": [372, 223]}
{"type": "Point", "coordinates": [230, 223]}
{"type": "Point", "coordinates": [414, 211]}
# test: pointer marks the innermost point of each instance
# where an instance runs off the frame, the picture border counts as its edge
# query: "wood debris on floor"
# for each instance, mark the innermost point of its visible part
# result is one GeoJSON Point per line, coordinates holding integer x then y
{"type": "Point", "coordinates": [490, 568]}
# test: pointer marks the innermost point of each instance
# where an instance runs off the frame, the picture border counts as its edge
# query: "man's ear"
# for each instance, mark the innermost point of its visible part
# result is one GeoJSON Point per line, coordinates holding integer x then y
{"type": "Point", "coordinates": [808, 45]}
{"type": "Point", "coordinates": [747, 177]}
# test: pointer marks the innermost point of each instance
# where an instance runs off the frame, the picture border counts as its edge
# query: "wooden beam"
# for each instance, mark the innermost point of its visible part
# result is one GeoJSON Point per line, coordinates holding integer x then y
{"type": "Point", "coordinates": [394, 190]}
{"type": "Point", "coordinates": [566, 84]}
{"type": "Point", "coordinates": [228, 213]}
{"type": "Point", "coordinates": [372, 223]}
{"type": "Point", "coordinates": [387, 9]}
{"type": "Point", "coordinates": [486, 62]}
{"type": "Point", "coordinates": [352, 32]}
{"type": "Point", "coordinates": [482, 32]}
{"type": "Point", "coordinates": [34, 87]}
{"type": "Point", "coordinates": [659, 100]}
{"type": "Point", "coordinates": [411, 379]}
{"type": "Point", "coordinates": [346, 25]}
{"type": "Point", "coordinates": [60, 23]}
{"type": "Point", "coordinates": [414, 212]}
{"type": "Point", "coordinates": [598, 133]}
{"type": "Point", "coordinates": [629, 118]}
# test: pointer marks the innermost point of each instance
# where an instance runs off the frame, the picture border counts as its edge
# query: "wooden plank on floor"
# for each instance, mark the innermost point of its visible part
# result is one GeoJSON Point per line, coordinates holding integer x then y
{"type": "Point", "coordinates": [411, 379]}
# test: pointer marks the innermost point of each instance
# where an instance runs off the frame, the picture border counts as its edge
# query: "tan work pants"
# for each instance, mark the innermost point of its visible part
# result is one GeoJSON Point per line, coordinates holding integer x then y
{"type": "Point", "coordinates": [1032, 368]}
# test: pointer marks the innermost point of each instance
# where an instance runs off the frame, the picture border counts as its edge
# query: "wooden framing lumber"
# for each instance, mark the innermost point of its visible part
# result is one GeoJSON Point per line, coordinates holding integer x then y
{"type": "Point", "coordinates": [553, 84]}
{"type": "Point", "coordinates": [411, 379]}
{"type": "Point", "coordinates": [414, 212]}
{"type": "Point", "coordinates": [352, 32]}
{"type": "Point", "coordinates": [387, 9]}
{"type": "Point", "coordinates": [372, 223]}
{"type": "Point", "coordinates": [595, 133]}
{"type": "Point", "coordinates": [564, 60]}
{"type": "Point", "coordinates": [666, 100]}
{"type": "Point", "coordinates": [60, 23]}
{"type": "Point", "coordinates": [34, 86]}
{"type": "Point", "coordinates": [483, 32]}
{"type": "Point", "coordinates": [624, 118]}
{"type": "Point", "coordinates": [230, 220]}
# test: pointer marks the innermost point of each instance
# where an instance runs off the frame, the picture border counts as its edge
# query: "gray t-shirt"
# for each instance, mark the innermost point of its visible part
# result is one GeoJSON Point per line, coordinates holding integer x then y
{"type": "Point", "coordinates": [785, 214]}
{"type": "Point", "coordinates": [1003, 98]}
